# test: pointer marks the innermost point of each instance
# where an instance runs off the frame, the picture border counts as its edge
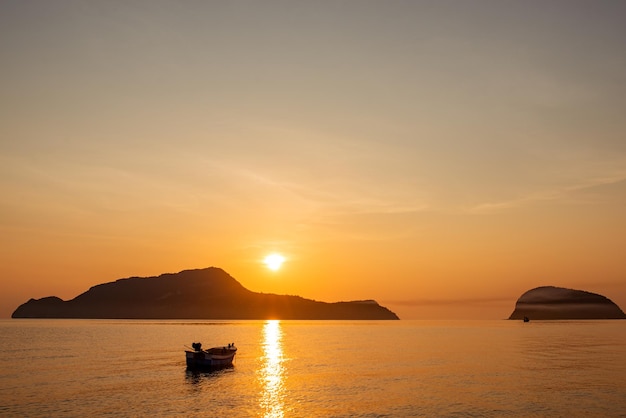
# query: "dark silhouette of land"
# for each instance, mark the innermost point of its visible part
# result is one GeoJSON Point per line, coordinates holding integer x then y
{"type": "Point", "coordinates": [549, 302]}
{"type": "Point", "coordinates": [209, 293]}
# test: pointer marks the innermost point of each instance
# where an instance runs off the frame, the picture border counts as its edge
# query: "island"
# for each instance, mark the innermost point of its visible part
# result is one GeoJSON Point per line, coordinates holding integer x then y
{"type": "Point", "coordinates": [208, 293]}
{"type": "Point", "coordinates": [550, 302]}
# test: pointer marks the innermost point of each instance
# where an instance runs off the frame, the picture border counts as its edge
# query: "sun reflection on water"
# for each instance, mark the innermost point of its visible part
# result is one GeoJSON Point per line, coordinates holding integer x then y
{"type": "Point", "coordinates": [271, 374]}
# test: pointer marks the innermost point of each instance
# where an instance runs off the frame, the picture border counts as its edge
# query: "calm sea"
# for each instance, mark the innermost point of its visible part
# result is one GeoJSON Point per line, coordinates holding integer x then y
{"type": "Point", "coordinates": [69, 368]}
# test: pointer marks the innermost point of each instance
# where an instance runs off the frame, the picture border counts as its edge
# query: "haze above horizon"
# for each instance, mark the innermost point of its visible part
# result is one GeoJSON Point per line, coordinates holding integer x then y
{"type": "Point", "coordinates": [438, 157]}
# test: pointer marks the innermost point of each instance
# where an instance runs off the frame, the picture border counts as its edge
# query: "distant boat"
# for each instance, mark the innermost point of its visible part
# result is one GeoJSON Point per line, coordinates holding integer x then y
{"type": "Point", "coordinates": [214, 357]}
{"type": "Point", "coordinates": [526, 319]}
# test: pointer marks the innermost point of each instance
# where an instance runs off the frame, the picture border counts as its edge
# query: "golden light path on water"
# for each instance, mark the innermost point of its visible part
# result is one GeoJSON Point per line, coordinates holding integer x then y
{"type": "Point", "coordinates": [272, 374]}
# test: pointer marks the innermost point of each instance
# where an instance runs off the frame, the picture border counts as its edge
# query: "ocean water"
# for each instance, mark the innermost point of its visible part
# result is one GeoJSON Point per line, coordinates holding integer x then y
{"type": "Point", "coordinates": [72, 368]}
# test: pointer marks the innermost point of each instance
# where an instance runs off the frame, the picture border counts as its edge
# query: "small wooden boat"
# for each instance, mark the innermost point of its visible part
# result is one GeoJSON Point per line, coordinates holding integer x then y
{"type": "Point", "coordinates": [211, 358]}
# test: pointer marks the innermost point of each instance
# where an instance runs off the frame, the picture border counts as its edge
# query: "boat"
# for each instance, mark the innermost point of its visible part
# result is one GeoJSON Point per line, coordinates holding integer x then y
{"type": "Point", "coordinates": [211, 358]}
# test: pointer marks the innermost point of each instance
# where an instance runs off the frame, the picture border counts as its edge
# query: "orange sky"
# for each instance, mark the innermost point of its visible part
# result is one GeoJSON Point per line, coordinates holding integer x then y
{"type": "Point", "coordinates": [439, 157]}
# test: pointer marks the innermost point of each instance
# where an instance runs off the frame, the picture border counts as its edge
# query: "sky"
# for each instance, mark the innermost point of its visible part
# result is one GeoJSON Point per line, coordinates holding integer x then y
{"type": "Point", "coordinates": [440, 157]}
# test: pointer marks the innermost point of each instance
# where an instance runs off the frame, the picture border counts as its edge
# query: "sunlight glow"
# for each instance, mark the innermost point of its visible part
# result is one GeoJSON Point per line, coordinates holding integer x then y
{"type": "Point", "coordinates": [274, 261]}
{"type": "Point", "coordinates": [271, 375]}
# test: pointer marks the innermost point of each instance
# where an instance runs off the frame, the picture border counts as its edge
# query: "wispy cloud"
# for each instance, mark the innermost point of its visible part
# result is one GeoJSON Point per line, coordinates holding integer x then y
{"type": "Point", "coordinates": [565, 192]}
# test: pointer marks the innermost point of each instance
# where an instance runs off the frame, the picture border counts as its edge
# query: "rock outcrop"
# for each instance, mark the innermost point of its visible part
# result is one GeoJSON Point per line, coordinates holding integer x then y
{"type": "Point", "coordinates": [549, 302]}
{"type": "Point", "coordinates": [209, 293]}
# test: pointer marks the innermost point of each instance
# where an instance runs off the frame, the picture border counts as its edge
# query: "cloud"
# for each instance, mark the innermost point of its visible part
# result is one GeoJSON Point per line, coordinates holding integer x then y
{"type": "Point", "coordinates": [565, 192]}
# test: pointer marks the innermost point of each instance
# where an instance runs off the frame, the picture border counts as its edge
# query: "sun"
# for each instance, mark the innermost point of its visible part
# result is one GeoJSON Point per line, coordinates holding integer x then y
{"type": "Point", "coordinates": [274, 261]}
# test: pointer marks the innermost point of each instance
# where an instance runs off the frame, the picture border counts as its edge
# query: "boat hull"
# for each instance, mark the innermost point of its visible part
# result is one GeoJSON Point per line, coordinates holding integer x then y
{"type": "Point", "coordinates": [210, 359]}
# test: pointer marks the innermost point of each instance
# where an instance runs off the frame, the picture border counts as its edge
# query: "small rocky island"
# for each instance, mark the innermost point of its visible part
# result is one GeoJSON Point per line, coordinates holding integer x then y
{"type": "Point", "coordinates": [549, 302]}
{"type": "Point", "coordinates": [209, 293]}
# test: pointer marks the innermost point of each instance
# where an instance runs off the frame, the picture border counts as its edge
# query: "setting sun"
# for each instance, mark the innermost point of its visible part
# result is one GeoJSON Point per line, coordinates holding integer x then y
{"type": "Point", "coordinates": [274, 261]}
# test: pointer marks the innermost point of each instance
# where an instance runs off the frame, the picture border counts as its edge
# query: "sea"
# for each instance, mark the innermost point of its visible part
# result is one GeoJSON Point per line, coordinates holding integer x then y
{"type": "Point", "coordinates": [471, 368]}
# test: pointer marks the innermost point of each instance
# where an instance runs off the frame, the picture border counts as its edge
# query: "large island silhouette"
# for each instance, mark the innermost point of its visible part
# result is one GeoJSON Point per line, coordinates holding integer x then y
{"type": "Point", "coordinates": [208, 293]}
{"type": "Point", "coordinates": [551, 302]}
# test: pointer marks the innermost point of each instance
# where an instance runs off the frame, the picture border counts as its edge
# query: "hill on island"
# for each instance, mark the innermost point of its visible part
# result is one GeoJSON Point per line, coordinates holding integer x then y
{"type": "Point", "coordinates": [549, 302]}
{"type": "Point", "coordinates": [209, 293]}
